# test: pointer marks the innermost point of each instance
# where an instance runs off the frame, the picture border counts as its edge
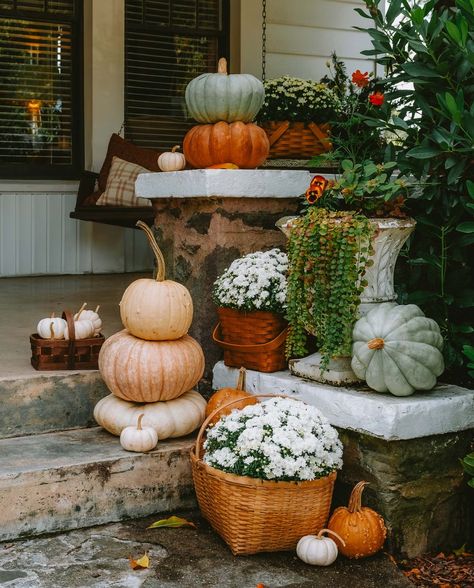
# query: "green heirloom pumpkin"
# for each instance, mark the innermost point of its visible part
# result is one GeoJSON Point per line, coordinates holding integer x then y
{"type": "Point", "coordinates": [397, 349]}
{"type": "Point", "coordinates": [212, 97]}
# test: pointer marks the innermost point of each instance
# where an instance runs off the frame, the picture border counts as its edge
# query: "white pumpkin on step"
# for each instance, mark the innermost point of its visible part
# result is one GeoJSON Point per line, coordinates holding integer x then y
{"type": "Point", "coordinates": [318, 550]}
{"type": "Point", "coordinates": [138, 438]}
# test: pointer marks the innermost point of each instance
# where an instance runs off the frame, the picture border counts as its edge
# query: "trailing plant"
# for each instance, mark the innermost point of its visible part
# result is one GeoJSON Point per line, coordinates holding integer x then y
{"type": "Point", "coordinates": [427, 50]}
{"type": "Point", "coordinates": [328, 252]}
{"type": "Point", "coordinates": [468, 466]}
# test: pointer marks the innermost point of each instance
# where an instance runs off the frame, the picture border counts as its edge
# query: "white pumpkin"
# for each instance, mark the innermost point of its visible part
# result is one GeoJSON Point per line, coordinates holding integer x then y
{"type": "Point", "coordinates": [318, 550]}
{"type": "Point", "coordinates": [138, 438]}
{"type": "Point", "coordinates": [397, 349]}
{"type": "Point", "coordinates": [170, 419]}
{"type": "Point", "coordinates": [172, 160]}
{"type": "Point", "coordinates": [82, 329]}
{"type": "Point", "coordinates": [52, 328]}
{"type": "Point", "coordinates": [91, 315]}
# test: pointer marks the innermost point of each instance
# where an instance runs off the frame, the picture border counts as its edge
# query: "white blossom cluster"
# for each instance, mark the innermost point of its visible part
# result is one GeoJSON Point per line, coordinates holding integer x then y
{"type": "Point", "coordinates": [254, 282]}
{"type": "Point", "coordinates": [278, 439]}
{"type": "Point", "coordinates": [294, 99]}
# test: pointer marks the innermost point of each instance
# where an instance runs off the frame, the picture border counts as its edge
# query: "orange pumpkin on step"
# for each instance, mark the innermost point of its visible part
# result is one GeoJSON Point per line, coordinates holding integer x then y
{"type": "Point", "coordinates": [244, 144]}
{"type": "Point", "coordinates": [226, 395]}
{"type": "Point", "coordinates": [362, 529]}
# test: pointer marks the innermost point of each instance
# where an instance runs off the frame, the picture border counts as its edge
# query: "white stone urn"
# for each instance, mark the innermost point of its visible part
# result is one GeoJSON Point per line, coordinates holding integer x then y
{"type": "Point", "coordinates": [390, 235]}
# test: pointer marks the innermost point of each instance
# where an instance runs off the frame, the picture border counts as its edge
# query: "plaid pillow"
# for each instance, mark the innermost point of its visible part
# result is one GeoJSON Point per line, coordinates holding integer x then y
{"type": "Point", "coordinates": [120, 189]}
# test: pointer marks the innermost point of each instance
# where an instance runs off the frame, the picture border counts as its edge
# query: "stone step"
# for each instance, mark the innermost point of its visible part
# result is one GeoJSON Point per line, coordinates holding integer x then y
{"type": "Point", "coordinates": [79, 478]}
{"type": "Point", "coordinates": [42, 402]}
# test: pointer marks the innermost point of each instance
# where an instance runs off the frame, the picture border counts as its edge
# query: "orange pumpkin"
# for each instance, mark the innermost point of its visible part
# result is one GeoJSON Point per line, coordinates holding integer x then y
{"type": "Point", "coordinates": [362, 529]}
{"type": "Point", "coordinates": [226, 395]}
{"type": "Point", "coordinates": [244, 144]}
{"type": "Point", "coordinates": [223, 166]}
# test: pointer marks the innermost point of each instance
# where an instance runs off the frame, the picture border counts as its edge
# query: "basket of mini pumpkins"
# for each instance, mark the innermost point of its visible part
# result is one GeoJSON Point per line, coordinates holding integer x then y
{"type": "Point", "coordinates": [264, 475]}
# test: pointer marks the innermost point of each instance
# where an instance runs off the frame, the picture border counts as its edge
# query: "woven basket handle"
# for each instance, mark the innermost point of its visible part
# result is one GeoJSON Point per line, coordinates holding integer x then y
{"type": "Point", "coordinates": [198, 449]}
{"type": "Point", "coordinates": [71, 353]}
{"type": "Point", "coordinates": [278, 132]}
{"type": "Point", "coordinates": [269, 346]}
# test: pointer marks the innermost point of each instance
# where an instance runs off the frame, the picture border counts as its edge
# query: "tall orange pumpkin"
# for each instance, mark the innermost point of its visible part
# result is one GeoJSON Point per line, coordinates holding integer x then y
{"type": "Point", "coordinates": [362, 529]}
{"type": "Point", "coordinates": [243, 144]}
{"type": "Point", "coordinates": [226, 395]}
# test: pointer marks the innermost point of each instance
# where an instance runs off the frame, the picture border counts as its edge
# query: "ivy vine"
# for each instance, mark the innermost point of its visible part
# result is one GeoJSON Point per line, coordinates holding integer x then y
{"type": "Point", "coordinates": [328, 252]}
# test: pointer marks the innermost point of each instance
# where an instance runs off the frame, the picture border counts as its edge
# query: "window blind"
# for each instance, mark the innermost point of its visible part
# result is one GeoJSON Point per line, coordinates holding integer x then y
{"type": "Point", "coordinates": [39, 90]}
{"type": "Point", "coordinates": [167, 44]}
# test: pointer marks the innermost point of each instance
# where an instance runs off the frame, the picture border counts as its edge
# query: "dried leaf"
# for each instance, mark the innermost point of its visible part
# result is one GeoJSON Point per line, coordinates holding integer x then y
{"type": "Point", "coordinates": [461, 550]}
{"type": "Point", "coordinates": [173, 522]}
{"type": "Point", "coordinates": [141, 563]}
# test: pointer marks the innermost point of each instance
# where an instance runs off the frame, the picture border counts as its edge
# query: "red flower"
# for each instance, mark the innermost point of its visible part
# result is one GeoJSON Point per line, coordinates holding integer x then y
{"type": "Point", "coordinates": [360, 79]}
{"type": "Point", "coordinates": [376, 98]}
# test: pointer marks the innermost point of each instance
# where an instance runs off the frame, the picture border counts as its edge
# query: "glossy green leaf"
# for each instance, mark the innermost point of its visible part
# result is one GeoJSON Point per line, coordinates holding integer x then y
{"type": "Point", "coordinates": [466, 227]}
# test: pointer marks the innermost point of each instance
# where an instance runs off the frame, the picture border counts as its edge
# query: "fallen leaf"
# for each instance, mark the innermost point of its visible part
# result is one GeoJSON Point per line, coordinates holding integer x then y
{"type": "Point", "coordinates": [141, 563]}
{"type": "Point", "coordinates": [461, 550]}
{"type": "Point", "coordinates": [173, 522]}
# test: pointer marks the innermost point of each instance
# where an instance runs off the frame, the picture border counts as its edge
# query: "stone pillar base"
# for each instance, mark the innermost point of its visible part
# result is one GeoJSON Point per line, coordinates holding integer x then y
{"type": "Point", "coordinates": [338, 373]}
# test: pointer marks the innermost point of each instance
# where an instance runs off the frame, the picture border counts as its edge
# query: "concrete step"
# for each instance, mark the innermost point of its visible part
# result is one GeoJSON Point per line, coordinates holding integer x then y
{"type": "Point", "coordinates": [79, 478]}
{"type": "Point", "coordinates": [41, 402]}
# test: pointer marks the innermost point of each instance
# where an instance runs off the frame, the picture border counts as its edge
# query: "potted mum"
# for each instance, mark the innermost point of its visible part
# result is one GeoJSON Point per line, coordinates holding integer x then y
{"type": "Point", "coordinates": [265, 474]}
{"type": "Point", "coordinates": [251, 300]}
{"type": "Point", "coordinates": [295, 115]}
{"type": "Point", "coordinates": [342, 252]}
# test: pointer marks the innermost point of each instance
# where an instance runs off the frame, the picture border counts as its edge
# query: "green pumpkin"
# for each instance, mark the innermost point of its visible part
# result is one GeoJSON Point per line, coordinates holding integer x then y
{"type": "Point", "coordinates": [397, 349]}
{"type": "Point", "coordinates": [212, 97]}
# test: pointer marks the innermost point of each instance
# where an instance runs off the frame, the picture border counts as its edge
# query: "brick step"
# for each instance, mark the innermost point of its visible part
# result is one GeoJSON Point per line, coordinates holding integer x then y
{"type": "Point", "coordinates": [42, 402]}
{"type": "Point", "coordinates": [79, 478]}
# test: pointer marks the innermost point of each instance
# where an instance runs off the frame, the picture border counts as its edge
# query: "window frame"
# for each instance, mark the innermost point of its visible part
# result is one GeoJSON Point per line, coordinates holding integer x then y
{"type": "Point", "coordinates": [41, 171]}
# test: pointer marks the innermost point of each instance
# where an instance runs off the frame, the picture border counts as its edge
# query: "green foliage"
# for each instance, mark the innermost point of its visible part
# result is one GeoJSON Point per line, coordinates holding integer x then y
{"type": "Point", "coordinates": [427, 50]}
{"type": "Point", "coordinates": [328, 253]}
{"type": "Point", "coordinates": [368, 188]}
{"type": "Point", "coordinates": [468, 466]}
{"type": "Point", "coordinates": [468, 351]}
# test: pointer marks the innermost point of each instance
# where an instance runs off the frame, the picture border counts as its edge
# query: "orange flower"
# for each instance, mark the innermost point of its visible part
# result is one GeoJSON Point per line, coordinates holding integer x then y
{"type": "Point", "coordinates": [316, 189]}
{"type": "Point", "coordinates": [360, 79]}
{"type": "Point", "coordinates": [376, 98]}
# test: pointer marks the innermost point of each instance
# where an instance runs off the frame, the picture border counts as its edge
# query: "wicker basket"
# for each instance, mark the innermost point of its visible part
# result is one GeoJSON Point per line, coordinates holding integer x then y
{"type": "Point", "coordinates": [254, 515]}
{"type": "Point", "coordinates": [62, 354]}
{"type": "Point", "coordinates": [296, 140]}
{"type": "Point", "coordinates": [254, 340]}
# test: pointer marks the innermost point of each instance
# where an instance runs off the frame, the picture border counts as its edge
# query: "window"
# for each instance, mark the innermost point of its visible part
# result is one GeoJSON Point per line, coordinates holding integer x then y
{"type": "Point", "coordinates": [167, 44]}
{"type": "Point", "coordinates": [40, 88]}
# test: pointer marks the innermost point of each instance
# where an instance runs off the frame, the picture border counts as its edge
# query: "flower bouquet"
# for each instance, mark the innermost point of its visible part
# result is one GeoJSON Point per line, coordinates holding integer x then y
{"type": "Point", "coordinates": [265, 474]}
{"type": "Point", "coordinates": [251, 300]}
{"type": "Point", "coordinates": [294, 115]}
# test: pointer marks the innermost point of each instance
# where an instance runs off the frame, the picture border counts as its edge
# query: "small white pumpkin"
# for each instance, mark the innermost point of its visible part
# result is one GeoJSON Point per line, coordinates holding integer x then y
{"type": "Point", "coordinates": [397, 349]}
{"type": "Point", "coordinates": [82, 329]}
{"type": "Point", "coordinates": [91, 315]}
{"type": "Point", "coordinates": [318, 550]}
{"type": "Point", "coordinates": [138, 438]}
{"type": "Point", "coordinates": [172, 160]}
{"type": "Point", "coordinates": [52, 328]}
{"type": "Point", "coordinates": [170, 418]}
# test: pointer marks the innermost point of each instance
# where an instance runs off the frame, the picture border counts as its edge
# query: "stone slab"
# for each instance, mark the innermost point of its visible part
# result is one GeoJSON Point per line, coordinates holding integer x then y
{"type": "Point", "coordinates": [42, 402]}
{"type": "Point", "coordinates": [59, 481]}
{"type": "Point", "coordinates": [179, 558]}
{"type": "Point", "coordinates": [235, 183]}
{"type": "Point", "coordinates": [445, 409]}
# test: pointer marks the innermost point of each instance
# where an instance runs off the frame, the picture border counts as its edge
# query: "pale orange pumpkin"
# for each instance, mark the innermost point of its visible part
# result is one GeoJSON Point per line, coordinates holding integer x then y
{"type": "Point", "coordinates": [244, 144]}
{"type": "Point", "coordinates": [362, 529]}
{"type": "Point", "coordinates": [149, 371]}
{"type": "Point", "coordinates": [226, 395]}
{"type": "Point", "coordinates": [156, 310]}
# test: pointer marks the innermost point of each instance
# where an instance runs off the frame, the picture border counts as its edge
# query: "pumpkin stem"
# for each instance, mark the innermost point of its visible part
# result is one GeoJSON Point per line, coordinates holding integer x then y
{"type": "Point", "coordinates": [376, 343]}
{"type": "Point", "coordinates": [355, 500]}
{"type": "Point", "coordinates": [321, 533]}
{"type": "Point", "coordinates": [97, 309]}
{"type": "Point", "coordinates": [242, 378]}
{"type": "Point", "coordinates": [80, 310]}
{"type": "Point", "coordinates": [222, 66]}
{"type": "Point", "coordinates": [160, 260]}
{"type": "Point", "coordinates": [51, 328]}
{"type": "Point", "coordinates": [175, 148]}
{"type": "Point", "coordinates": [139, 422]}
{"type": "Point", "coordinates": [52, 315]}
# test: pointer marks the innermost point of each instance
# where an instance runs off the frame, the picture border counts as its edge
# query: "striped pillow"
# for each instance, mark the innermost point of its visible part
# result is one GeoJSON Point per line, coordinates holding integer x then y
{"type": "Point", "coordinates": [120, 189]}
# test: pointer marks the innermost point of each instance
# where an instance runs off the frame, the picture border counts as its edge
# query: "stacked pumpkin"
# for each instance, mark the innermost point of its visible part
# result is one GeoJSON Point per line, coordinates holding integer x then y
{"type": "Point", "coordinates": [152, 365]}
{"type": "Point", "coordinates": [225, 105]}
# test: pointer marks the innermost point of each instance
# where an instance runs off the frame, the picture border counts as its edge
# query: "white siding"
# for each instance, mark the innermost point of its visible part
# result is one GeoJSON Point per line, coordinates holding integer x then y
{"type": "Point", "coordinates": [301, 35]}
{"type": "Point", "coordinates": [38, 237]}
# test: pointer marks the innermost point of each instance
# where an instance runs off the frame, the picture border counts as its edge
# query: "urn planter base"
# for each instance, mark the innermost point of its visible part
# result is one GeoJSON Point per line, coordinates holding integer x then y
{"type": "Point", "coordinates": [338, 373]}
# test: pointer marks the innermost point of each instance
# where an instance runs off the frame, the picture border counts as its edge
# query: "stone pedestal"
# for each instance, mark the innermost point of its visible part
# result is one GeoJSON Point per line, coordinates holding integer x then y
{"type": "Point", "coordinates": [207, 218]}
{"type": "Point", "coordinates": [407, 448]}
